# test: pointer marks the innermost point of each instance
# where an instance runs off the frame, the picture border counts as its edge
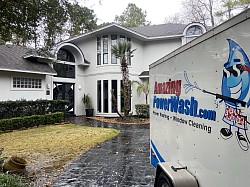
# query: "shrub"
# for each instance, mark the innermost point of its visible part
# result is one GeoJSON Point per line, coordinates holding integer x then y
{"type": "Point", "coordinates": [20, 108]}
{"type": "Point", "coordinates": [30, 121]}
{"type": "Point", "coordinates": [142, 110]}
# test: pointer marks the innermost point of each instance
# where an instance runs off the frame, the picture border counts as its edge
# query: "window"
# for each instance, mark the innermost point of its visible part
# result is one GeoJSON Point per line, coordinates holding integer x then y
{"type": "Point", "coordinates": [122, 97]}
{"type": "Point", "coordinates": [122, 38]}
{"type": "Point", "coordinates": [98, 51]}
{"type": "Point", "coordinates": [99, 96]}
{"type": "Point", "coordinates": [65, 55]}
{"type": "Point", "coordinates": [114, 90]}
{"type": "Point", "coordinates": [194, 30]}
{"type": "Point", "coordinates": [105, 49]}
{"type": "Point", "coordinates": [105, 103]}
{"type": "Point", "coordinates": [64, 70]}
{"type": "Point", "coordinates": [105, 96]}
{"type": "Point", "coordinates": [113, 42]}
{"type": "Point", "coordinates": [20, 82]}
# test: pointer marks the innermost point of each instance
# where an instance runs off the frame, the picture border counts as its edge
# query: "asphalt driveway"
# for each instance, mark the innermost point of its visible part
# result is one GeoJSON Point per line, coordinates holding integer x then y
{"type": "Point", "coordinates": [121, 161]}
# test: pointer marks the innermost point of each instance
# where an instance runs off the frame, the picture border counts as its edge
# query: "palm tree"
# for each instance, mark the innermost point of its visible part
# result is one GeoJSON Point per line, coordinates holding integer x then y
{"type": "Point", "coordinates": [124, 52]}
{"type": "Point", "coordinates": [143, 87]}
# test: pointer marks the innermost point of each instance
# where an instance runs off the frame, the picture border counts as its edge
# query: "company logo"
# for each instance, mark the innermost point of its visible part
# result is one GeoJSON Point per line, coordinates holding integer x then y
{"type": "Point", "coordinates": [176, 104]}
{"type": "Point", "coordinates": [235, 84]}
{"type": "Point", "coordinates": [169, 87]}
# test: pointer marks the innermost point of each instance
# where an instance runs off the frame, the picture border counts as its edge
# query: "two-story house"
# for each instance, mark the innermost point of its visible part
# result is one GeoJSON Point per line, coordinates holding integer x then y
{"type": "Point", "coordinates": [85, 64]}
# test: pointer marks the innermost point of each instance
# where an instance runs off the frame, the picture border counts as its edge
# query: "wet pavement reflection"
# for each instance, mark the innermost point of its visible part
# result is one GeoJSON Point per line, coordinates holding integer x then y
{"type": "Point", "coordinates": [121, 161]}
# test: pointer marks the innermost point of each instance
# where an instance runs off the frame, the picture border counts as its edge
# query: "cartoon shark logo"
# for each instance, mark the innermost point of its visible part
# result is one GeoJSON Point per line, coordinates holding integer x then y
{"type": "Point", "coordinates": [235, 84]}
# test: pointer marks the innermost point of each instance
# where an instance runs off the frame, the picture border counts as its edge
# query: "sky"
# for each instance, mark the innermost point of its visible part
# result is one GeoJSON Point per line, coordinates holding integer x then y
{"type": "Point", "coordinates": [157, 10]}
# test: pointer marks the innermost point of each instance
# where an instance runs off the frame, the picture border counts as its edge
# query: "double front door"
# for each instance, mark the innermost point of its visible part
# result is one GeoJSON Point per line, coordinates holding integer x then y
{"type": "Point", "coordinates": [65, 91]}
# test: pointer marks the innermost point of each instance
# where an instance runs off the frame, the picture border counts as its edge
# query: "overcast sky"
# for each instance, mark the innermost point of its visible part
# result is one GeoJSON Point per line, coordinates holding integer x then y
{"type": "Point", "coordinates": [157, 10]}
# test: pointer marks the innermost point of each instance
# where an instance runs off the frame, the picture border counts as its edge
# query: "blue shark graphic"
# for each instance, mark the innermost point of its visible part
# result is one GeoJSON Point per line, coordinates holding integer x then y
{"type": "Point", "coordinates": [235, 84]}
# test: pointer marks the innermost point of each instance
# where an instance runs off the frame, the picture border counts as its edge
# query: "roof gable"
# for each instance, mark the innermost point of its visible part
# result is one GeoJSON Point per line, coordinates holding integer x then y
{"type": "Point", "coordinates": [144, 33]}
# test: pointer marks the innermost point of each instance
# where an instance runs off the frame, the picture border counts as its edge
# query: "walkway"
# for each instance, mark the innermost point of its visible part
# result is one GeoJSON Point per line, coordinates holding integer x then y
{"type": "Point", "coordinates": [121, 161]}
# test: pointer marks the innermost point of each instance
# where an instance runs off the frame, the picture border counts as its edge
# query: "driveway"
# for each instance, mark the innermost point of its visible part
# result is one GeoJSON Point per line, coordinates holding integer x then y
{"type": "Point", "coordinates": [121, 161]}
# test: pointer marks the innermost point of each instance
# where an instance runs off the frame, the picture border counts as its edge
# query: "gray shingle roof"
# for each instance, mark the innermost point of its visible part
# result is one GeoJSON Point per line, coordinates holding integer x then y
{"type": "Point", "coordinates": [168, 29]}
{"type": "Point", "coordinates": [11, 58]}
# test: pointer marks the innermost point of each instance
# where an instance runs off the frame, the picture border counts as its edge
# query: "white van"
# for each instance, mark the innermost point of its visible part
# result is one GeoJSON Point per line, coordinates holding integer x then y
{"type": "Point", "coordinates": [199, 110]}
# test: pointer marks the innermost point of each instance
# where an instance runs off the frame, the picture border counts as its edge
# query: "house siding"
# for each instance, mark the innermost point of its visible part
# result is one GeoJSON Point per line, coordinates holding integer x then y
{"type": "Point", "coordinates": [10, 93]}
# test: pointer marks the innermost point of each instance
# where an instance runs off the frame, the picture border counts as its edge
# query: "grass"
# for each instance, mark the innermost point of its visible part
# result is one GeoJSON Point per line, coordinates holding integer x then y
{"type": "Point", "coordinates": [49, 148]}
{"type": "Point", "coordinates": [10, 181]}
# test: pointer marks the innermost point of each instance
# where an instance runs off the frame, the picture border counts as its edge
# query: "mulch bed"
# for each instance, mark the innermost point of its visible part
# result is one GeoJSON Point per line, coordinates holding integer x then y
{"type": "Point", "coordinates": [127, 120]}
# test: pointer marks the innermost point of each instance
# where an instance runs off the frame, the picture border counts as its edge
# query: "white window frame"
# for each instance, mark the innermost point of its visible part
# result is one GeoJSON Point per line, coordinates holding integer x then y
{"type": "Point", "coordinates": [101, 52]}
{"type": "Point", "coordinates": [26, 81]}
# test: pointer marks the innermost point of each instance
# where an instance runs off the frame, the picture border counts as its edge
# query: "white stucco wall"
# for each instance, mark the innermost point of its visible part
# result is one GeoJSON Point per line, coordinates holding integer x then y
{"type": "Point", "coordinates": [155, 50]}
{"type": "Point", "coordinates": [10, 93]}
{"type": "Point", "coordinates": [87, 76]}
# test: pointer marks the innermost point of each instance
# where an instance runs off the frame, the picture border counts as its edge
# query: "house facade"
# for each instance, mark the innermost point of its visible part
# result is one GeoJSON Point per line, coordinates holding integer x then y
{"type": "Point", "coordinates": [22, 75]}
{"type": "Point", "coordinates": [85, 65]}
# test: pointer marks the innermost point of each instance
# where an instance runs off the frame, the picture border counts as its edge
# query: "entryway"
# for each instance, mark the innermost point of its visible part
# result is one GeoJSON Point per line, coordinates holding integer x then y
{"type": "Point", "coordinates": [65, 91]}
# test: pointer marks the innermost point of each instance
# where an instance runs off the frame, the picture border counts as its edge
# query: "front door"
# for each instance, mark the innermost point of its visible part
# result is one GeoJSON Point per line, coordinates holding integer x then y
{"type": "Point", "coordinates": [65, 91]}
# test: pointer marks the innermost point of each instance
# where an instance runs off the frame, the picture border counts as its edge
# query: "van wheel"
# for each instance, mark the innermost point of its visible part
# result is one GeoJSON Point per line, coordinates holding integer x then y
{"type": "Point", "coordinates": [163, 181]}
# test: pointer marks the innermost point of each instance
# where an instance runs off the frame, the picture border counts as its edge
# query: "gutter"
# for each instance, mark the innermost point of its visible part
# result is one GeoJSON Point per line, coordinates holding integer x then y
{"type": "Point", "coordinates": [27, 71]}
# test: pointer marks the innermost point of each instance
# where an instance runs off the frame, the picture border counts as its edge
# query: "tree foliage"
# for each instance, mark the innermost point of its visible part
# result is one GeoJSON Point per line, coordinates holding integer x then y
{"type": "Point", "coordinates": [208, 12]}
{"type": "Point", "coordinates": [81, 19]}
{"type": "Point", "coordinates": [133, 16]}
{"type": "Point", "coordinates": [18, 20]}
{"type": "Point", "coordinates": [54, 17]}
{"type": "Point", "coordinates": [200, 11]}
{"type": "Point", "coordinates": [175, 18]}
{"type": "Point", "coordinates": [231, 7]}
{"type": "Point", "coordinates": [33, 21]}
{"type": "Point", "coordinates": [143, 87]}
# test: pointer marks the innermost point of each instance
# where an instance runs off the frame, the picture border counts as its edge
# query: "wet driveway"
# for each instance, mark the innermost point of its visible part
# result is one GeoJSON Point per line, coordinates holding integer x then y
{"type": "Point", "coordinates": [121, 161]}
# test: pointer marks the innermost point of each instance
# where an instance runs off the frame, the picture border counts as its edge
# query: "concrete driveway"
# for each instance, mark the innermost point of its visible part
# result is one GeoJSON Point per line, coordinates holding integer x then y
{"type": "Point", "coordinates": [121, 161]}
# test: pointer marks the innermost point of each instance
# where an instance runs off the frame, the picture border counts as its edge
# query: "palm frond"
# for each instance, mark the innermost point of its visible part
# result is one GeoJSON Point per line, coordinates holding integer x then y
{"type": "Point", "coordinates": [122, 49]}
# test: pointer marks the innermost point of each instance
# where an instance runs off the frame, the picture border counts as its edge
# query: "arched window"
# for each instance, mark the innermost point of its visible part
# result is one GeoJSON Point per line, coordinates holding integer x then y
{"type": "Point", "coordinates": [65, 69]}
{"type": "Point", "coordinates": [65, 55]}
{"type": "Point", "coordinates": [194, 30]}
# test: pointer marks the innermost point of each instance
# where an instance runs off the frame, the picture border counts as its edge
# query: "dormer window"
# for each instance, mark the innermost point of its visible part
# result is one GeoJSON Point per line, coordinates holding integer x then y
{"type": "Point", "coordinates": [194, 30]}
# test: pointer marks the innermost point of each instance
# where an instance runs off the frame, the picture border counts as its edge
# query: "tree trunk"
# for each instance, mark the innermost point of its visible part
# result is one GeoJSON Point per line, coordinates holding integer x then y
{"type": "Point", "coordinates": [114, 103]}
{"type": "Point", "coordinates": [211, 12]}
{"type": "Point", "coordinates": [125, 80]}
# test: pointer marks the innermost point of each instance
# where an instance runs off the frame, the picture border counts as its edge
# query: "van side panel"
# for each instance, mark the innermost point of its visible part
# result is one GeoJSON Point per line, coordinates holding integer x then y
{"type": "Point", "coordinates": [209, 135]}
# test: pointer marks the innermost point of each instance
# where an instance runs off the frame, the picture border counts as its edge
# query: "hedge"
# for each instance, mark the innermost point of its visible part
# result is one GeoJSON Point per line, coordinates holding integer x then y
{"type": "Point", "coordinates": [30, 121]}
{"type": "Point", "coordinates": [142, 110]}
{"type": "Point", "coordinates": [20, 108]}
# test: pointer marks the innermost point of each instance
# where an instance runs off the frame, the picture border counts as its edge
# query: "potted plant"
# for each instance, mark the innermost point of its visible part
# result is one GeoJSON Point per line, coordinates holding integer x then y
{"type": "Point", "coordinates": [86, 99]}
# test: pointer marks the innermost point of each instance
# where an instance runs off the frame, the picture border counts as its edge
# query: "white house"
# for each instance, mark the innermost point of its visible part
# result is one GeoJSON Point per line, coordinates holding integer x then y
{"type": "Point", "coordinates": [85, 65]}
